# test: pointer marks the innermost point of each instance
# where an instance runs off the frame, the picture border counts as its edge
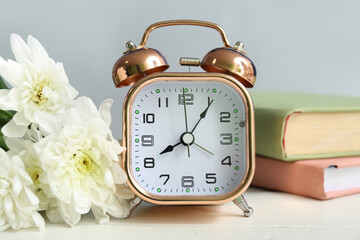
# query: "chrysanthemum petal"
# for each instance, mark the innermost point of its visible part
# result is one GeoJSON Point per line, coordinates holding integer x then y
{"type": "Point", "coordinates": [109, 179]}
{"type": "Point", "coordinates": [83, 204]}
{"type": "Point", "coordinates": [12, 72]}
{"type": "Point", "coordinates": [69, 214]}
{"type": "Point", "coordinates": [4, 227]}
{"type": "Point", "coordinates": [48, 122]}
{"type": "Point", "coordinates": [37, 49]}
{"type": "Point", "coordinates": [100, 215]}
{"type": "Point", "coordinates": [118, 173]}
{"type": "Point", "coordinates": [20, 119]}
{"type": "Point", "coordinates": [70, 91]}
{"type": "Point", "coordinates": [16, 185]}
{"type": "Point", "coordinates": [86, 107]}
{"type": "Point", "coordinates": [5, 100]}
{"type": "Point", "coordinates": [116, 150]}
{"type": "Point", "coordinates": [72, 117]}
{"type": "Point", "coordinates": [38, 220]}
{"type": "Point", "coordinates": [13, 130]}
{"type": "Point", "coordinates": [20, 49]}
{"type": "Point", "coordinates": [31, 196]}
{"type": "Point", "coordinates": [104, 111]}
{"type": "Point", "coordinates": [53, 212]}
{"type": "Point", "coordinates": [119, 208]}
{"type": "Point", "coordinates": [9, 207]}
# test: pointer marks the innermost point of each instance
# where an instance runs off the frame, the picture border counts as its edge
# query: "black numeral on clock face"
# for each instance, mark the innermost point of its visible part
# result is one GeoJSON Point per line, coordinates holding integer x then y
{"type": "Point", "coordinates": [224, 117]}
{"type": "Point", "coordinates": [213, 103]}
{"type": "Point", "coordinates": [226, 161]}
{"type": "Point", "coordinates": [211, 178]}
{"type": "Point", "coordinates": [189, 98]}
{"type": "Point", "coordinates": [166, 176]}
{"type": "Point", "coordinates": [147, 140]}
{"type": "Point", "coordinates": [166, 102]}
{"type": "Point", "coordinates": [226, 139]}
{"type": "Point", "coordinates": [149, 162]}
{"type": "Point", "coordinates": [148, 118]}
{"type": "Point", "coordinates": [187, 181]}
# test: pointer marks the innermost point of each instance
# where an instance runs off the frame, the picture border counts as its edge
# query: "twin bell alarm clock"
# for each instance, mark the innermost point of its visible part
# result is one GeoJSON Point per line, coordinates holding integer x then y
{"type": "Point", "coordinates": [189, 137]}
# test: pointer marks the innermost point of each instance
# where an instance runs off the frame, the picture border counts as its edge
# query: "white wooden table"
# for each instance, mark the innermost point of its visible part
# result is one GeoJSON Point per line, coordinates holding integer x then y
{"type": "Point", "coordinates": [276, 216]}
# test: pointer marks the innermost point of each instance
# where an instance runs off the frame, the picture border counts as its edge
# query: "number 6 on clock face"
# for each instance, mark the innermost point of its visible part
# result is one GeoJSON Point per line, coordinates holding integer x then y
{"type": "Point", "coordinates": [189, 138]}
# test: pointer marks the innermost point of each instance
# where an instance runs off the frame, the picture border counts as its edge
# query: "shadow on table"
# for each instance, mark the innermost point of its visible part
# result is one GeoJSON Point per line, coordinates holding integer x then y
{"type": "Point", "coordinates": [180, 214]}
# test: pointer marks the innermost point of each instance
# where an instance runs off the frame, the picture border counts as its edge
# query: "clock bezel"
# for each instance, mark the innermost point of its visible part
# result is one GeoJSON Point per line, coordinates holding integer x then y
{"type": "Point", "coordinates": [189, 200]}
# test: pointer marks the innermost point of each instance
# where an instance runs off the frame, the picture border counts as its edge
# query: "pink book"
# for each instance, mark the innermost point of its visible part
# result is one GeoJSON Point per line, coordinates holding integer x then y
{"type": "Point", "coordinates": [318, 178]}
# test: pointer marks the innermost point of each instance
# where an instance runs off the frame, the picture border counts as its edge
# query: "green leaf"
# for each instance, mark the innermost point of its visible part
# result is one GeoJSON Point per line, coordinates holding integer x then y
{"type": "Point", "coordinates": [2, 83]}
{"type": "Point", "coordinates": [2, 143]}
{"type": "Point", "coordinates": [5, 117]}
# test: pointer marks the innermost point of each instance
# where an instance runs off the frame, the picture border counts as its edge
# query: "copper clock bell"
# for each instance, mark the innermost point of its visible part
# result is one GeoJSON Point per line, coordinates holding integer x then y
{"type": "Point", "coordinates": [140, 61]}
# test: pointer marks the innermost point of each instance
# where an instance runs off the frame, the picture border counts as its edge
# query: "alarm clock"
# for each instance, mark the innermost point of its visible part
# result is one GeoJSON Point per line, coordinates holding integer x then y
{"type": "Point", "coordinates": [189, 137]}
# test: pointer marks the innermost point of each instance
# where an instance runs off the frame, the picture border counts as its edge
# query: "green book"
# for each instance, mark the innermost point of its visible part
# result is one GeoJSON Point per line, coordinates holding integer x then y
{"type": "Point", "coordinates": [296, 126]}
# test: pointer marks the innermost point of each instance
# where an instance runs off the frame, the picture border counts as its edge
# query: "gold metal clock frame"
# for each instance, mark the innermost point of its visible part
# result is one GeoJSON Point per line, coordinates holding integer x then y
{"type": "Point", "coordinates": [250, 145]}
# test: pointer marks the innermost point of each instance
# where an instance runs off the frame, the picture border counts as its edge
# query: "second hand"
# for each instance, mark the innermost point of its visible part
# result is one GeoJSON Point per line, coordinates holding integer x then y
{"type": "Point", "coordinates": [203, 148]}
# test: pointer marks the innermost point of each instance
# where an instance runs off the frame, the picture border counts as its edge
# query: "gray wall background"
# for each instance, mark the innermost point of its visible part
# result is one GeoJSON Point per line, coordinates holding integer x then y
{"type": "Point", "coordinates": [301, 46]}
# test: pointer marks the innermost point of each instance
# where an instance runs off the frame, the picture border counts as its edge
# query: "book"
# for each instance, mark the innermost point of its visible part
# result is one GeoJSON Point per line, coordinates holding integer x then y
{"type": "Point", "coordinates": [295, 126]}
{"type": "Point", "coordinates": [316, 178]}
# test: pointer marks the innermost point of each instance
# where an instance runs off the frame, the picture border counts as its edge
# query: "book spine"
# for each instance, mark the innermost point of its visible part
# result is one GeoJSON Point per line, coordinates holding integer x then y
{"type": "Point", "coordinates": [289, 177]}
{"type": "Point", "coordinates": [269, 134]}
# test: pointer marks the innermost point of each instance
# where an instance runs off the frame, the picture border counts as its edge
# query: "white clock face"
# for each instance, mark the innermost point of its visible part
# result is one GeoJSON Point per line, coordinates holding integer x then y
{"type": "Point", "coordinates": [192, 149]}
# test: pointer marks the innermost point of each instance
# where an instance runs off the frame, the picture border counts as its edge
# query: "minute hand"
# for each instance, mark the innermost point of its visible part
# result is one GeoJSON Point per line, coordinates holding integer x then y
{"type": "Point", "coordinates": [202, 115]}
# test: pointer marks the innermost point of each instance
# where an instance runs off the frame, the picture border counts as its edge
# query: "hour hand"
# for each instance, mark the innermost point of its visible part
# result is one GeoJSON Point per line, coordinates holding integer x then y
{"type": "Point", "coordinates": [169, 148]}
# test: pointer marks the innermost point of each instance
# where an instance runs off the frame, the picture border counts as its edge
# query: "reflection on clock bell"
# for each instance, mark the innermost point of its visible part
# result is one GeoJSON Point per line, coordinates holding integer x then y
{"type": "Point", "coordinates": [137, 63]}
{"type": "Point", "coordinates": [232, 61]}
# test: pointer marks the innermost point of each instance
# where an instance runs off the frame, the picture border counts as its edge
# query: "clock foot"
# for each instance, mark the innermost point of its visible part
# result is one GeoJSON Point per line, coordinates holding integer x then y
{"type": "Point", "coordinates": [241, 203]}
{"type": "Point", "coordinates": [133, 203]}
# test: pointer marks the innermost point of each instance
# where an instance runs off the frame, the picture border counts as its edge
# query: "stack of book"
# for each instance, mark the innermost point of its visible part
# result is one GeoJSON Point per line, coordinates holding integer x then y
{"type": "Point", "coordinates": [307, 144]}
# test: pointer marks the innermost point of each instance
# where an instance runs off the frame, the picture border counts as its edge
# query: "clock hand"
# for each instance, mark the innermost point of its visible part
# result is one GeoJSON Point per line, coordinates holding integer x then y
{"type": "Point", "coordinates": [186, 123]}
{"type": "Point", "coordinates": [169, 148]}
{"type": "Point", "coordinates": [203, 148]}
{"type": "Point", "coordinates": [202, 115]}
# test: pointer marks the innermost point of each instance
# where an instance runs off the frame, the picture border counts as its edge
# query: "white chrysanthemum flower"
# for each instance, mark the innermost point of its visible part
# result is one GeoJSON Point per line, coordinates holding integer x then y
{"type": "Point", "coordinates": [38, 84]}
{"type": "Point", "coordinates": [79, 158]}
{"type": "Point", "coordinates": [35, 171]}
{"type": "Point", "coordinates": [18, 204]}
{"type": "Point", "coordinates": [23, 147]}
